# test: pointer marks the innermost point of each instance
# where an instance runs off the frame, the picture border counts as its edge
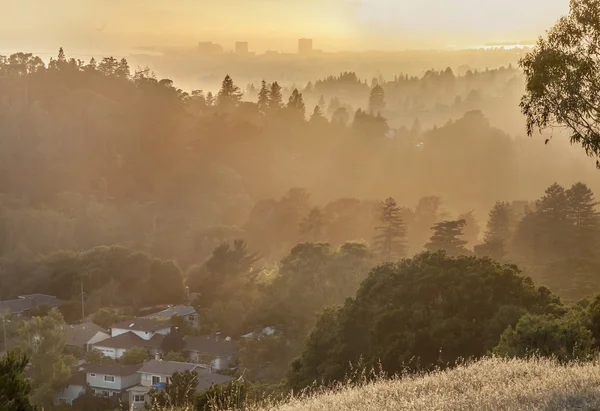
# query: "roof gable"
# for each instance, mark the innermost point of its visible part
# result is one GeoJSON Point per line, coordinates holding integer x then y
{"type": "Point", "coordinates": [142, 324]}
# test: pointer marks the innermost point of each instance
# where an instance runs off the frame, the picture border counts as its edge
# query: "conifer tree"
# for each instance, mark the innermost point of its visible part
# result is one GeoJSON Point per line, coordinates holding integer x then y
{"type": "Point", "coordinates": [498, 225]}
{"type": "Point", "coordinates": [122, 69]}
{"type": "Point", "coordinates": [390, 240]}
{"type": "Point", "coordinates": [447, 236]}
{"type": "Point", "coordinates": [230, 95]}
{"type": "Point", "coordinates": [263, 98]}
{"type": "Point", "coordinates": [296, 102]}
{"type": "Point", "coordinates": [275, 97]}
{"type": "Point", "coordinates": [210, 99]}
{"type": "Point", "coordinates": [376, 99]}
{"type": "Point", "coordinates": [317, 115]}
{"type": "Point", "coordinates": [582, 214]}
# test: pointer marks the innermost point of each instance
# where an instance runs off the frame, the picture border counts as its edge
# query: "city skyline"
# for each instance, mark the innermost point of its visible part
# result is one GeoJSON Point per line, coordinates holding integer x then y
{"type": "Point", "coordinates": [93, 26]}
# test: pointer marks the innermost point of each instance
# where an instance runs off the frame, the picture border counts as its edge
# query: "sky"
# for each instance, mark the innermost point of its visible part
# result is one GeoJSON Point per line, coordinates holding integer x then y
{"type": "Point", "coordinates": [119, 25]}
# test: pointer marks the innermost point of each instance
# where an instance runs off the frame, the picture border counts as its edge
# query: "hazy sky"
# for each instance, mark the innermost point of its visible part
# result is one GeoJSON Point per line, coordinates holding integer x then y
{"type": "Point", "coordinates": [111, 25]}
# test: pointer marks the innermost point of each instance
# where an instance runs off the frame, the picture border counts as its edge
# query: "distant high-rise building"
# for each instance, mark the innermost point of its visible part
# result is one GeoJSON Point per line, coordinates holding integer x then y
{"type": "Point", "coordinates": [305, 46]}
{"type": "Point", "coordinates": [208, 47]}
{"type": "Point", "coordinates": [241, 47]}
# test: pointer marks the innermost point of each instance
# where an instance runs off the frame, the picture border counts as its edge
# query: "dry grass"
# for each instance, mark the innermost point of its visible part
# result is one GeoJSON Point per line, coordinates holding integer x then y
{"type": "Point", "coordinates": [490, 384]}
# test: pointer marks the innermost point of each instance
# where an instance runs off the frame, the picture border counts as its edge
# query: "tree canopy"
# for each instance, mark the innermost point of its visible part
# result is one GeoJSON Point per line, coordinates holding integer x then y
{"type": "Point", "coordinates": [419, 313]}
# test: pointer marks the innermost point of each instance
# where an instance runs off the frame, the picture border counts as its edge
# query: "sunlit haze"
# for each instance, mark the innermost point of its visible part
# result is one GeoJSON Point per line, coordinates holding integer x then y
{"type": "Point", "coordinates": [89, 26]}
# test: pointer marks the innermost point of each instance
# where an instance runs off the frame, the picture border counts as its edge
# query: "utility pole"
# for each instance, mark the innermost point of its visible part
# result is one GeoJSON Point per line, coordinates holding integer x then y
{"type": "Point", "coordinates": [5, 340]}
{"type": "Point", "coordinates": [82, 303]}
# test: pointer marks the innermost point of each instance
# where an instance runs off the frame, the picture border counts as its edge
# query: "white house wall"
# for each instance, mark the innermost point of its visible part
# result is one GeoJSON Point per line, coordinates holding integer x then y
{"type": "Point", "coordinates": [70, 393]}
{"type": "Point", "coordinates": [146, 335]}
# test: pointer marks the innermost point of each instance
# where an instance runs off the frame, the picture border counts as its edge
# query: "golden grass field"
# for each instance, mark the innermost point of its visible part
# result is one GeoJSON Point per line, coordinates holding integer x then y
{"type": "Point", "coordinates": [490, 384]}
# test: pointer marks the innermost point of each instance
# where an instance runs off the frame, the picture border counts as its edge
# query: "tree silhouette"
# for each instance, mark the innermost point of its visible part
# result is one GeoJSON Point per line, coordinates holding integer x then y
{"type": "Point", "coordinates": [296, 103]}
{"type": "Point", "coordinates": [275, 97]}
{"type": "Point", "coordinates": [582, 214]}
{"type": "Point", "coordinates": [498, 224]}
{"type": "Point", "coordinates": [376, 99]}
{"type": "Point", "coordinates": [562, 79]}
{"type": "Point", "coordinates": [390, 241]}
{"type": "Point", "coordinates": [447, 236]}
{"type": "Point", "coordinates": [263, 98]}
{"type": "Point", "coordinates": [230, 95]}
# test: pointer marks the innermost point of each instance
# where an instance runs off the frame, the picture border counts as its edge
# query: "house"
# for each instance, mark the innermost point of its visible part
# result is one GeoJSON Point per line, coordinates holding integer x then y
{"type": "Point", "coordinates": [76, 386]}
{"type": "Point", "coordinates": [115, 347]}
{"type": "Point", "coordinates": [144, 328]}
{"type": "Point", "coordinates": [23, 304]}
{"type": "Point", "coordinates": [106, 380]}
{"type": "Point", "coordinates": [188, 313]}
{"type": "Point", "coordinates": [223, 350]}
{"type": "Point", "coordinates": [156, 373]}
{"type": "Point", "coordinates": [266, 332]}
{"type": "Point", "coordinates": [84, 335]}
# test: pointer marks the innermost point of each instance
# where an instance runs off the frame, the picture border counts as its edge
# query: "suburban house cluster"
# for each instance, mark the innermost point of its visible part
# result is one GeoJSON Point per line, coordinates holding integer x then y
{"type": "Point", "coordinates": [132, 383]}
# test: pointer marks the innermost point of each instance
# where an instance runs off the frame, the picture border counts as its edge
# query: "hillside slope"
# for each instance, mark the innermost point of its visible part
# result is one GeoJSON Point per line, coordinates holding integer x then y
{"type": "Point", "coordinates": [490, 384]}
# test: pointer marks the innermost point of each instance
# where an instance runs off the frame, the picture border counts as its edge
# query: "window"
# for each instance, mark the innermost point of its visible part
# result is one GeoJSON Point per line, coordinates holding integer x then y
{"type": "Point", "coordinates": [191, 318]}
{"type": "Point", "coordinates": [105, 393]}
{"type": "Point", "coordinates": [155, 379]}
{"type": "Point", "coordinates": [138, 398]}
{"type": "Point", "coordinates": [92, 375]}
{"type": "Point", "coordinates": [109, 378]}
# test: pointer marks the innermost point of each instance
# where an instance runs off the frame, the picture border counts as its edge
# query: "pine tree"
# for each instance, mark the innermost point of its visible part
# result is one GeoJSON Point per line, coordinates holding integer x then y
{"type": "Point", "coordinates": [376, 99]}
{"type": "Point", "coordinates": [275, 97]}
{"type": "Point", "coordinates": [390, 241]}
{"type": "Point", "coordinates": [317, 115]}
{"type": "Point", "coordinates": [263, 98]}
{"type": "Point", "coordinates": [210, 99]}
{"type": "Point", "coordinates": [582, 214]}
{"type": "Point", "coordinates": [498, 225]}
{"type": "Point", "coordinates": [296, 102]}
{"type": "Point", "coordinates": [321, 103]}
{"type": "Point", "coordinates": [122, 69]}
{"type": "Point", "coordinates": [230, 95]}
{"type": "Point", "coordinates": [446, 236]}
{"type": "Point", "coordinates": [311, 228]}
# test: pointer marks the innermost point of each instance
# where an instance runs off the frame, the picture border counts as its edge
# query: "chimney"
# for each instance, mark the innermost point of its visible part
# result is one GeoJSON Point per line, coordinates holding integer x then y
{"type": "Point", "coordinates": [157, 356]}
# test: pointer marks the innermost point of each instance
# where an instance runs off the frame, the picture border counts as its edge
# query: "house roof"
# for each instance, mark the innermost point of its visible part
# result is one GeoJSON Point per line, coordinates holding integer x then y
{"type": "Point", "coordinates": [161, 367]}
{"type": "Point", "coordinates": [210, 345]}
{"type": "Point", "coordinates": [129, 340]}
{"type": "Point", "coordinates": [81, 334]}
{"type": "Point", "coordinates": [111, 368]}
{"type": "Point", "coordinates": [166, 314]}
{"type": "Point", "coordinates": [206, 379]}
{"type": "Point", "coordinates": [78, 378]}
{"type": "Point", "coordinates": [142, 324]}
{"type": "Point", "coordinates": [27, 302]}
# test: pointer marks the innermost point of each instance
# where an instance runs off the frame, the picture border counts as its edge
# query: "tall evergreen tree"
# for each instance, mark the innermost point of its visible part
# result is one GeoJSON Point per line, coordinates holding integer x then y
{"type": "Point", "coordinates": [321, 102]}
{"type": "Point", "coordinates": [447, 236]}
{"type": "Point", "coordinates": [582, 214]}
{"type": "Point", "coordinates": [317, 115]}
{"type": "Point", "coordinates": [263, 98]}
{"type": "Point", "coordinates": [498, 225]}
{"type": "Point", "coordinates": [275, 97]}
{"type": "Point", "coordinates": [296, 103]}
{"type": "Point", "coordinates": [14, 385]}
{"type": "Point", "coordinates": [376, 99]}
{"type": "Point", "coordinates": [390, 240]}
{"type": "Point", "coordinates": [230, 95]}
{"type": "Point", "coordinates": [122, 69]}
{"type": "Point", "coordinates": [210, 99]}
